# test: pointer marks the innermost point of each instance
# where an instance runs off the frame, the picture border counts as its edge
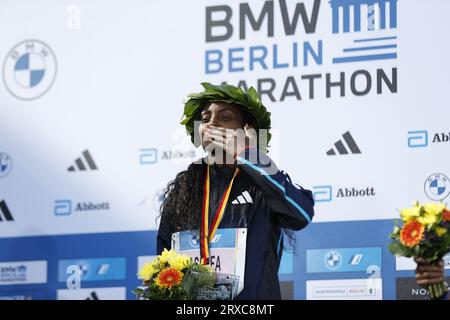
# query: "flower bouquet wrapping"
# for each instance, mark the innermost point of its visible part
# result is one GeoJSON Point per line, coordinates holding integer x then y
{"type": "Point", "coordinates": [174, 276]}
{"type": "Point", "coordinates": [424, 233]}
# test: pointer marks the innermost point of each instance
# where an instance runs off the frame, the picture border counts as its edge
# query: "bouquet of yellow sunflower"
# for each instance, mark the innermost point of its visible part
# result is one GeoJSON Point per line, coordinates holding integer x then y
{"type": "Point", "coordinates": [173, 276]}
{"type": "Point", "coordinates": [424, 233]}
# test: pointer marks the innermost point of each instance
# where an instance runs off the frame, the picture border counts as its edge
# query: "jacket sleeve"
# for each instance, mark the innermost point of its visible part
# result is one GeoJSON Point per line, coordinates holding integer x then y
{"type": "Point", "coordinates": [292, 205]}
{"type": "Point", "coordinates": [163, 240]}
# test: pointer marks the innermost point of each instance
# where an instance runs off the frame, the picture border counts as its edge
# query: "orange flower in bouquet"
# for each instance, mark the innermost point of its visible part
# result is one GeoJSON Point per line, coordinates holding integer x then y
{"type": "Point", "coordinates": [412, 233]}
{"type": "Point", "coordinates": [424, 233]}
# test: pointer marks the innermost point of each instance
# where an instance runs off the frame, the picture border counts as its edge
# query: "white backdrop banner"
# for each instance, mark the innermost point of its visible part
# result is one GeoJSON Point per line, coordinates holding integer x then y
{"type": "Point", "coordinates": [92, 94]}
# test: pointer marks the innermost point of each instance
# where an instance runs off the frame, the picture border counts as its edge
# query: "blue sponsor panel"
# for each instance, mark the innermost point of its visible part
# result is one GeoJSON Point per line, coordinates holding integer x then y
{"type": "Point", "coordinates": [60, 251]}
{"type": "Point", "coordinates": [353, 246]}
{"type": "Point", "coordinates": [342, 259]}
{"type": "Point", "coordinates": [94, 269]}
{"type": "Point", "coordinates": [224, 238]}
{"type": "Point", "coordinates": [318, 239]}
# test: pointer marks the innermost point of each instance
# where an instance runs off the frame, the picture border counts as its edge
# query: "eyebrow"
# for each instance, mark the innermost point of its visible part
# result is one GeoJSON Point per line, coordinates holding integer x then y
{"type": "Point", "coordinates": [221, 110]}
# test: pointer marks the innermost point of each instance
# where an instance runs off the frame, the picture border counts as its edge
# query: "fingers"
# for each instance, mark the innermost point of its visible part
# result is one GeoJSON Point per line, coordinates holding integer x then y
{"type": "Point", "coordinates": [430, 267]}
{"type": "Point", "coordinates": [219, 135]}
{"type": "Point", "coordinates": [429, 274]}
{"type": "Point", "coordinates": [231, 141]}
{"type": "Point", "coordinates": [232, 133]}
{"type": "Point", "coordinates": [427, 281]}
{"type": "Point", "coordinates": [425, 264]}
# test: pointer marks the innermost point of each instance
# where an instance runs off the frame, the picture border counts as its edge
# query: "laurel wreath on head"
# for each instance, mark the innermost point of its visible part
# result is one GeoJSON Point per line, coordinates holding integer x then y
{"type": "Point", "coordinates": [228, 94]}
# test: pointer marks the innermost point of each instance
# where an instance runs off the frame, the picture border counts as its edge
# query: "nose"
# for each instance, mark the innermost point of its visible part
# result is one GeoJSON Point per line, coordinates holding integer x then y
{"type": "Point", "coordinates": [214, 121]}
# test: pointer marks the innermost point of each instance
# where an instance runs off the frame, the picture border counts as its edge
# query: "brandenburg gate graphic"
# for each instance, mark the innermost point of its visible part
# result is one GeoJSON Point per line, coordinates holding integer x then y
{"type": "Point", "coordinates": [357, 5]}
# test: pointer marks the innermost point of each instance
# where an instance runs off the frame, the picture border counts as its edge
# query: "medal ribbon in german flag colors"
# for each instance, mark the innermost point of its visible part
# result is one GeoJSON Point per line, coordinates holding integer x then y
{"type": "Point", "coordinates": [207, 232]}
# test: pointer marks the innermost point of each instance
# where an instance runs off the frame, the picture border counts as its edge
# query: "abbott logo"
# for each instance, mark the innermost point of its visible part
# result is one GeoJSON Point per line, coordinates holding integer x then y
{"type": "Point", "coordinates": [5, 214]}
{"type": "Point", "coordinates": [63, 208]}
{"type": "Point", "coordinates": [322, 193]}
{"type": "Point", "coordinates": [417, 139]}
{"type": "Point", "coordinates": [340, 146]}
{"type": "Point", "coordinates": [148, 156]}
{"type": "Point", "coordinates": [87, 164]}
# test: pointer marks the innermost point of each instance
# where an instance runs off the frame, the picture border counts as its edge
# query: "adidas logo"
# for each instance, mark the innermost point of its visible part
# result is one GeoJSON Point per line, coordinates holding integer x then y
{"type": "Point", "coordinates": [92, 296]}
{"type": "Point", "coordinates": [243, 198]}
{"type": "Point", "coordinates": [5, 214]}
{"type": "Point", "coordinates": [81, 165]}
{"type": "Point", "coordinates": [340, 146]}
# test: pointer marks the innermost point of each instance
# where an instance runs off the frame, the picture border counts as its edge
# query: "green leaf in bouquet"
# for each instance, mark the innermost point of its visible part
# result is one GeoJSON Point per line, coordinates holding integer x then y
{"type": "Point", "coordinates": [417, 251]}
{"type": "Point", "coordinates": [396, 248]}
{"type": "Point", "coordinates": [138, 291]}
{"type": "Point", "coordinates": [207, 276]}
{"type": "Point", "coordinates": [396, 230]}
{"type": "Point", "coordinates": [188, 282]}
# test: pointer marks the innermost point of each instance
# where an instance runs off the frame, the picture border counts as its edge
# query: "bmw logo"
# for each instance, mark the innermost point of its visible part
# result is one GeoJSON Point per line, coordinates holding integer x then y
{"type": "Point", "coordinates": [29, 69]}
{"type": "Point", "coordinates": [195, 240]}
{"type": "Point", "coordinates": [84, 268]}
{"type": "Point", "coordinates": [437, 186]}
{"type": "Point", "coordinates": [333, 260]}
{"type": "Point", "coordinates": [5, 164]}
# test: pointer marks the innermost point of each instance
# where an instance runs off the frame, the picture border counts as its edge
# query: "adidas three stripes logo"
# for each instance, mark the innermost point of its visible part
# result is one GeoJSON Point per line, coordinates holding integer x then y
{"type": "Point", "coordinates": [340, 146]}
{"type": "Point", "coordinates": [87, 164]}
{"type": "Point", "coordinates": [243, 198]}
{"type": "Point", "coordinates": [5, 214]}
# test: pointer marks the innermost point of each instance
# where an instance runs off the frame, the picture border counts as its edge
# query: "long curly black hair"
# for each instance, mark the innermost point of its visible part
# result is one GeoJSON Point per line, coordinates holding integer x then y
{"type": "Point", "coordinates": [183, 199]}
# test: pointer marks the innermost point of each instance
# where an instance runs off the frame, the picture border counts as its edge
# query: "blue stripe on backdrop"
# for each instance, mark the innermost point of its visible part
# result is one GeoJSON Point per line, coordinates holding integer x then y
{"type": "Point", "coordinates": [130, 245]}
{"type": "Point", "coordinates": [351, 234]}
